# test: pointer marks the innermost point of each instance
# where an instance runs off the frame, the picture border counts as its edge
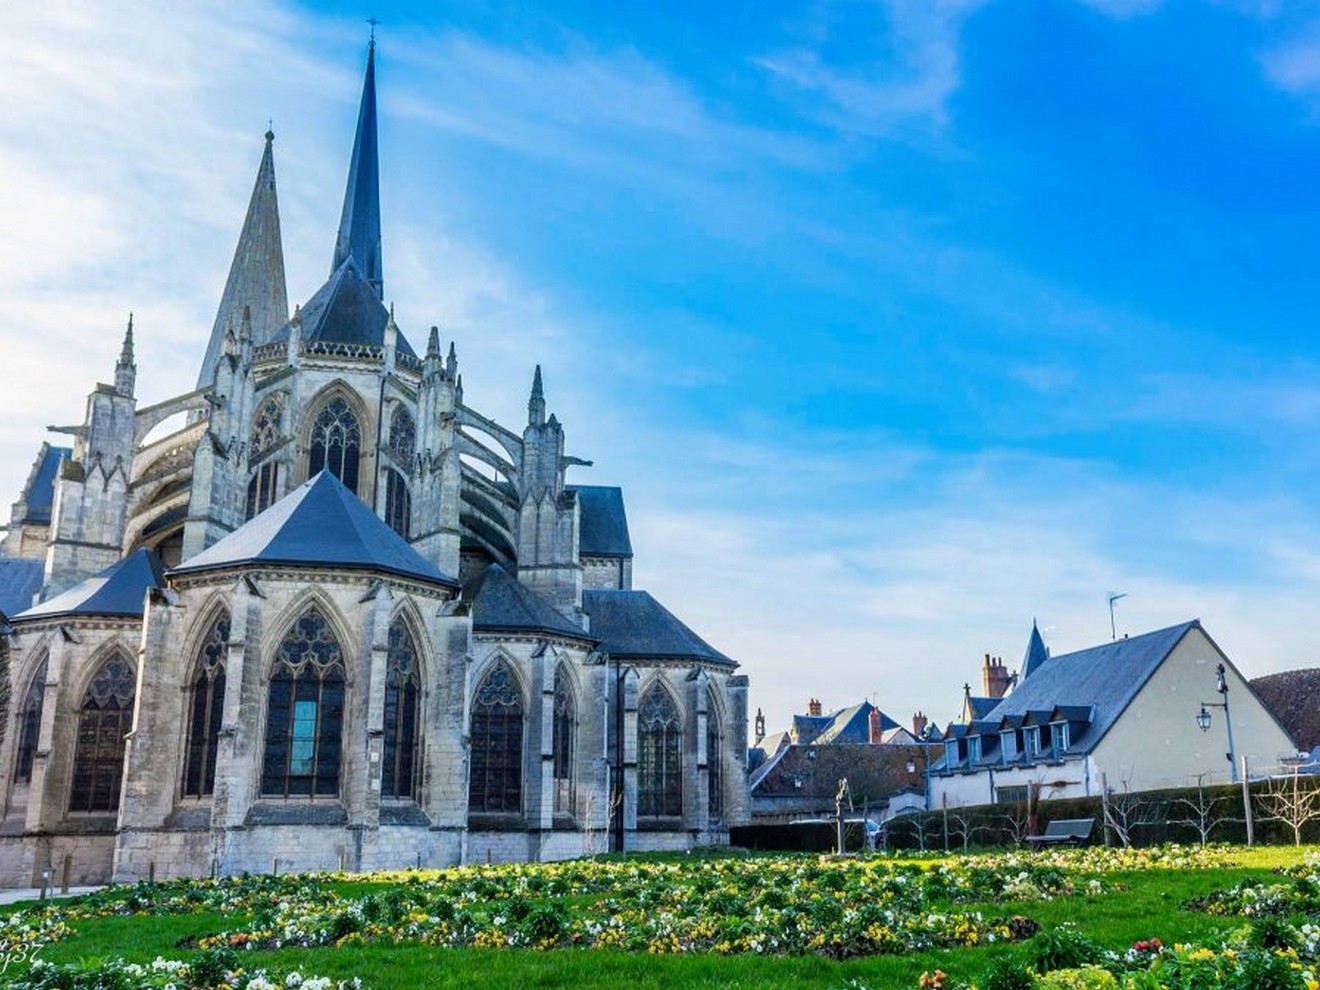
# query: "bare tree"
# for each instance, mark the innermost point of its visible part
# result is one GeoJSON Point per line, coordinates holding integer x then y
{"type": "Point", "coordinates": [1291, 800]}
{"type": "Point", "coordinates": [922, 826]}
{"type": "Point", "coordinates": [963, 826]}
{"type": "Point", "coordinates": [1126, 812]}
{"type": "Point", "coordinates": [1205, 812]}
{"type": "Point", "coordinates": [1016, 821]}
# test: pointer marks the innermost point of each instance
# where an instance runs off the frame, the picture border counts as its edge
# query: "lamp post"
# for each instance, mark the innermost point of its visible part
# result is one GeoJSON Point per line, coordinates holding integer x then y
{"type": "Point", "coordinates": [1203, 719]}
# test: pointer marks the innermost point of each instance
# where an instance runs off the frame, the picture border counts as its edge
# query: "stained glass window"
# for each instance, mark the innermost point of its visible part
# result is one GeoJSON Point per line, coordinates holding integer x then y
{"type": "Point", "coordinates": [401, 775]}
{"type": "Point", "coordinates": [659, 755]}
{"type": "Point", "coordinates": [267, 426]}
{"type": "Point", "coordinates": [565, 733]}
{"type": "Point", "coordinates": [495, 784]}
{"type": "Point", "coordinates": [305, 713]}
{"type": "Point", "coordinates": [398, 503]}
{"type": "Point", "coordinates": [29, 724]}
{"type": "Point", "coordinates": [336, 443]}
{"type": "Point", "coordinates": [403, 436]}
{"type": "Point", "coordinates": [206, 710]}
{"type": "Point", "coordinates": [263, 489]}
{"type": "Point", "coordinates": [104, 718]}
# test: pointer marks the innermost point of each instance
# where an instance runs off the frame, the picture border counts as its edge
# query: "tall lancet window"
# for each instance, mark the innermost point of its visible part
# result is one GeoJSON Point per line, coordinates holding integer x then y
{"type": "Point", "coordinates": [29, 724]}
{"type": "Point", "coordinates": [336, 443]}
{"type": "Point", "coordinates": [659, 755]}
{"type": "Point", "coordinates": [263, 488]}
{"type": "Point", "coordinates": [565, 735]}
{"type": "Point", "coordinates": [104, 718]}
{"type": "Point", "coordinates": [714, 760]}
{"type": "Point", "coordinates": [206, 707]}
{"type": "Point", "coordinates": [403, 437]}
{"type": "Point", "coordinates": [401, 775]}
{"type": "Point", "coordinates": [495, 784]}
{"type": "Point", "coordinates": [398, 503]}
{"type": "Point", "coordinates": [267, 428]}
{"type": "Point", "coordinates": [305, 713]}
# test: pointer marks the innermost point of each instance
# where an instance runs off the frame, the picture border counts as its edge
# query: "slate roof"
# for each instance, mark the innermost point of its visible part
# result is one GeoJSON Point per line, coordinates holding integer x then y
{"type": "Point", "coordinates": [500, 602]}
{"type": "Point", "coordinates": [980, 707]}
{"type": "Point", "coordinates": [359, 222]}
{"type": "Point", "coordinates": [1037, 653]}
{"type": "Point", "coordinates": [1291, 698]}
{"type": "Point", "coordinates": [811, 774]}
{"type": "Point", "coordinates": [853, 725]}
{"type": "Point", "coordinates": [39, 495]}
{"type": "Point", "coordinates": [604, 529]}
{"type": "Point", "coordinates": [1105, 677]}
{"type": "Point", "coordinates": [119, 590]}
{"type": "Point", "coordinates": [320, 523]}
{"type": "Point", "coordinates": [346, 310]}
{"type": "Point", "coordinates": [633, 624]}
{"type": "Point", "coordinates": [20, 579]}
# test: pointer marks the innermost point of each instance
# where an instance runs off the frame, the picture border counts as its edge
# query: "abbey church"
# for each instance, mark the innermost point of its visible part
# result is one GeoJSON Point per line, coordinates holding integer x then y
{"type": "Point", "coordinates": [338, 618]}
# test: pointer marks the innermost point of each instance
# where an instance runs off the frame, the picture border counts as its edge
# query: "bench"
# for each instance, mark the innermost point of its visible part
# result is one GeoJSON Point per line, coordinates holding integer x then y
{"type": "Point", "coordinates": [1065, 831]}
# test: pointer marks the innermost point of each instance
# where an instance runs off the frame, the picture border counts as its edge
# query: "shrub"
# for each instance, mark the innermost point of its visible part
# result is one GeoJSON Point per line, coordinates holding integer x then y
{"type": "Point", "coordinates": [1083, 978]}
{"type": "Point", "coordinates": [1063, 947]}
{"type": "Point", "coordinates": [1008, 973]}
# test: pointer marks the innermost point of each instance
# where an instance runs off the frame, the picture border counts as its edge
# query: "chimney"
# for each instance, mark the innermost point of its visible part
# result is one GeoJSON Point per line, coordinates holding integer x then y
{"type": "Point", "coordinates": [919, 723]}
{"type": "Point", "coordinates": [813, 707]}
{"type": "Point", "coordinates": [995, 676]}
{"type": "Point", "coordinates": [877, 728]}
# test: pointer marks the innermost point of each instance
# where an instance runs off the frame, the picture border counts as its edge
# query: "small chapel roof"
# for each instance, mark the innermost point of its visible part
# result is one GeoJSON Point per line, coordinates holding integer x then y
{"type": "Point", "coordinates": [633, 624]}
{"type": "Point", "coordinates": [320, 523]}
{"type": "Point", "coordinates": [20, 579]}
{"type": "Point", "coordinates": [501, 602]}
{"type": "Point", "coordinates": [118, 590]}
{"type": "Point", "coordinates": [346, 310]}
{"type": "Point", "coordinates": [39, 492]}
{"type": "Point", "coordinates": [604, 529]}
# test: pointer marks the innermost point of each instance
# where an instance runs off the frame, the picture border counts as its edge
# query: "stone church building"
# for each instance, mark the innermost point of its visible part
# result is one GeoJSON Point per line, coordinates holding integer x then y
{"type": "Point", "coordinates": [338, 618]}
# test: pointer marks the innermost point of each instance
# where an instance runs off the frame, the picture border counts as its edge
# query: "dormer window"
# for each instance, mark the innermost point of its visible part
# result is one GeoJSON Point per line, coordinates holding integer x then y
{"type": "Point", "coordinates": [1061, 737]}
{"type": "Point", "coordinates": [974, 748]}
{"type": "Point", "coordinates": [951, 753]}
{"type": "Point", "coordinates": [1006, 745]}
{"type": "Point", "coordinates": [1032, 739]}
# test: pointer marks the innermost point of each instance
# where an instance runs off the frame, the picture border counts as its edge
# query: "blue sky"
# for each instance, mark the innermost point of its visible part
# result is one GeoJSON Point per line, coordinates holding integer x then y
{"type": "Point", "coordinates": [900, 321]}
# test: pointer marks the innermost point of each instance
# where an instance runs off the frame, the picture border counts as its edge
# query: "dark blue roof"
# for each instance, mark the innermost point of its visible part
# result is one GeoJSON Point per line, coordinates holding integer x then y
{"type": "Point", "coordinates": [20, 579]}
{"type": "Point", "coordinates": [40, 493]}
{"type": "Point", "coordinates": [633, 624]}
{"type": "Point", "coordinates": [501, 602]}
{"type": "Point", "coordinates": [1036, 654]}
{"type": "Point", "coordinates": [980, 707]}
{"type": "Point", "coordinates": [604, 529]}
{"type": "Point", "coordinates": [853, 725]}
{"type": "Point", "coordinates": [359, 223]}
{"type": "Point", "coordinates": [1105, 678]}
{"type": "Point", "coordinates": [320, 523]}
{"type": "Point", "coordinates": [345, 310]}
{"type": "Point", "coordinates": [118, 590]}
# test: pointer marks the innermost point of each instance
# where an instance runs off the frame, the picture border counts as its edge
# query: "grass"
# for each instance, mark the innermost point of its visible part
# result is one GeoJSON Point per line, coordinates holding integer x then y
{"type": "Point", "coordinates": [1150, 904]}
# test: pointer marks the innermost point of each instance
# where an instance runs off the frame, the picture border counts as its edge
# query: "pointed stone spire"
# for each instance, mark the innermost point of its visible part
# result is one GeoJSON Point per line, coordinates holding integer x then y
{"type": "Point", "coordinates": [433, 343]}
{"type": "Point", "coordinates": [256, 275]}
{"type": "Point", "coordinates": [451, 362]}
{"type": "Point", "coordinates": [536, 404]}
{"type": "Point", "coordinates": [359, 223]}
{"type": "Point", "coordinates": [125, 369]}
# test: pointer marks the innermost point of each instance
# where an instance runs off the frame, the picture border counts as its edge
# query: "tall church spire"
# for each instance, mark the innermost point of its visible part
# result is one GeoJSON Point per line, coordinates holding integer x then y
{"type": "Point", "coordinates": [359, 224]}
{"type": "Point", "coordinates": [256, 275]}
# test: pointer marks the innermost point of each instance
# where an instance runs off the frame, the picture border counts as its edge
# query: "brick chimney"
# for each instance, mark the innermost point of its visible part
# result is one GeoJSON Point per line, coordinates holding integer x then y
{"type": "Point", "coordinates": [877, 727]}
{"type": "Point", "coordinates": [995, 677]}
{"type": "Point", "coordinates": [919, 723]}
{"type": "Point", "coordinates": [813, 707]}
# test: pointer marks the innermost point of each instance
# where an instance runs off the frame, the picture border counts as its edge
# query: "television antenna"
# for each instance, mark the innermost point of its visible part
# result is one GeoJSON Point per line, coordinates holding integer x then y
{"type": "Point", "coordinates": [1113, 597]}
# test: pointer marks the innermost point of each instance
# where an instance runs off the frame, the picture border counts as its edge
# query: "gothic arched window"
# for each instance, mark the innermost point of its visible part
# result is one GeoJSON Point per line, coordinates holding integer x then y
{"type": "Point", "coordinates": [403, 691]}
{"type": "Point", "coordinates": [267, 426]}
{"type": "Point", "coordinates": [564, 738]}
{"type": "Point", "coordinates": [263, 489]}
{"type": "Point", "coordinates": [659, 755]}
{"type": "Point", "coordinates": [403, 436]}
{"type": "Point", "coordinates": [714, 760]}
{"type": "Point", "coordinates": [206, 707]}
{"type": "Point", "coordinates": [305, 713]}
{"type": "Point", "coordinates": [398, 503]}
{"type": "Point", "coordinates": [29, 724]}
{"type": "Point", "coordinates": [495, 784]}
{"type": "Point", "coordinates": [104, 718]}
{"type": "Point", "coordinates": [336, 443]}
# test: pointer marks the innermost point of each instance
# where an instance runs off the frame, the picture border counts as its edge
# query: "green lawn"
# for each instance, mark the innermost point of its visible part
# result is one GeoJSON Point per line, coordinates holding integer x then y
{"type": "Point", "coordinates": [1148, 905]}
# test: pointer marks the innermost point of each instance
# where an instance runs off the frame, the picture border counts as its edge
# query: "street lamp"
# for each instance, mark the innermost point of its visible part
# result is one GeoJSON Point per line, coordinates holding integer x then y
{"type": "Point", "coordinates": [1203, 719]}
